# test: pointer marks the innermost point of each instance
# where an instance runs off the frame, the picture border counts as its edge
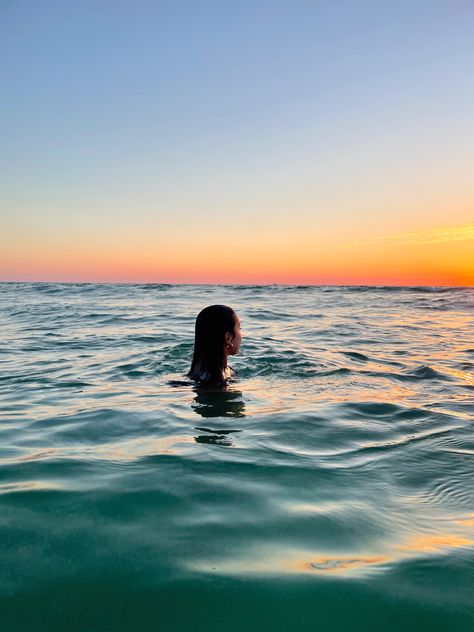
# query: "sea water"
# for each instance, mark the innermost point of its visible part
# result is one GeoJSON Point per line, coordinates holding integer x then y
{"type": "Point", "coordinates": [330, 487]}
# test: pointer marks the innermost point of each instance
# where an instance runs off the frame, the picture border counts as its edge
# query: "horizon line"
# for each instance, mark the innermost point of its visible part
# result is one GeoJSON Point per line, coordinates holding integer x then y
{"type": "Point", "coordinates": [371, 285]}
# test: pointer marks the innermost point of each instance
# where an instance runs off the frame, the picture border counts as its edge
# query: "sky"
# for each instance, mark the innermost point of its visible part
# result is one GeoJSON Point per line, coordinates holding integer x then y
{"type": "Point", "coordinates": [304, 141]}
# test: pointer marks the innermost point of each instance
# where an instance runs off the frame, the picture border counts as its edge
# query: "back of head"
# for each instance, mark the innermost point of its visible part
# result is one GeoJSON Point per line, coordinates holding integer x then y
{"type": "Point", "coordinates": [208, 362]}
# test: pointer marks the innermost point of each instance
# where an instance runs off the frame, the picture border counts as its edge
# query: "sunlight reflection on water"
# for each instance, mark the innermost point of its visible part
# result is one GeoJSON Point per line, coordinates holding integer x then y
{"type": "Point", "coordinates": [342, 450]}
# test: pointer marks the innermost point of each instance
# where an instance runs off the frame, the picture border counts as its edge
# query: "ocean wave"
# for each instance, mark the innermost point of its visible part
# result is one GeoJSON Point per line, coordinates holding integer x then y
{"type": "Point", "coordinates": [342, 450]}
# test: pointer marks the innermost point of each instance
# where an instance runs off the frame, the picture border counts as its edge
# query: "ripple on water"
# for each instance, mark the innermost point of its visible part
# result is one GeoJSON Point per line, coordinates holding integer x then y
{"type": "Point", "coordinates": [339, 462]}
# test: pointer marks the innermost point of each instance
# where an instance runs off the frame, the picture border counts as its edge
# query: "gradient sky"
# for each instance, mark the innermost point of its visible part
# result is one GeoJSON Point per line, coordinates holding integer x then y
{"type": "Point", "coordinates": [288, 142]}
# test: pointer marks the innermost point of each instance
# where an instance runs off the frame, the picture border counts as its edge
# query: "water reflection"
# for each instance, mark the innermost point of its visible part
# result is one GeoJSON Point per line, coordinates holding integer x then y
{"type": "Point", "coordinates": [215, 437]}
{"type": "Point", "coordinates": [271, 562]}
{"type": "Point", "coordinates": [217, 403]}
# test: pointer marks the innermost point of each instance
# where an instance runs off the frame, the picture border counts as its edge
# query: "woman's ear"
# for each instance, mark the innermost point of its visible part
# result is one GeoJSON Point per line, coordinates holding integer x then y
{"type": "Point", "coordinates": [227, 338]}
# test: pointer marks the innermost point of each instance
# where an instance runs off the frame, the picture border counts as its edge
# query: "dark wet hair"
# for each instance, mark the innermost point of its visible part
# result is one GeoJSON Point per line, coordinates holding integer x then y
{"type": "Point", "coordinates": [212, 323]}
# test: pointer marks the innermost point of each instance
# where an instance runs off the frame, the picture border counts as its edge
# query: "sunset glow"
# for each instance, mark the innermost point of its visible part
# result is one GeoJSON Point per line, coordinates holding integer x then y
{"type": "Point", "coordinates": [293, 144]}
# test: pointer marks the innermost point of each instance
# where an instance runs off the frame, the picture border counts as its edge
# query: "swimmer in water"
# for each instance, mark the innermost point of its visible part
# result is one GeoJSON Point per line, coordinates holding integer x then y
{"type": "Point", "coordinates": [217, 336]}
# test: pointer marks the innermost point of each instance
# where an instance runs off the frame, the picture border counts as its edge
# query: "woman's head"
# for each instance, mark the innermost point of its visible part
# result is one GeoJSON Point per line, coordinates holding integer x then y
{"type": "Point", "coordinates": [217, 335]}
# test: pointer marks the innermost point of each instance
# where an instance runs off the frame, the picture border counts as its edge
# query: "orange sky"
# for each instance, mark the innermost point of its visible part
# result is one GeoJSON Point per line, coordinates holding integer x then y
{"type": "Point", "coordinates": [443, 256]}
{"type": "Point", "coordinates": [306, 143]}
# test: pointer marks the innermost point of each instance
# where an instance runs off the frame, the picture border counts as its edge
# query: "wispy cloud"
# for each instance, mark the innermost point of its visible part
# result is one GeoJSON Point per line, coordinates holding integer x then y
{"type": "Point", "coordinates": [464, 232]}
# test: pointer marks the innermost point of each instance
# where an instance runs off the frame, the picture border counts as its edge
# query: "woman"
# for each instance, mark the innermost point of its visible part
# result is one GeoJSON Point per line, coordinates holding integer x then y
{"type": "Point", "coordinates": [217, 336]}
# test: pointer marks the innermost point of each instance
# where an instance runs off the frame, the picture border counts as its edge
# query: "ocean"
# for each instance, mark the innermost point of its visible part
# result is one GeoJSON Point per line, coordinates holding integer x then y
{"type": "Point", "coordinates": [329, 488]}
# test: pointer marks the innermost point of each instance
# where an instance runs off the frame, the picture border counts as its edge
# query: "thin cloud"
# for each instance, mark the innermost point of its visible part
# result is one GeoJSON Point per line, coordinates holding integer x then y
{"type": "Point", "coordinates": [464, 232]}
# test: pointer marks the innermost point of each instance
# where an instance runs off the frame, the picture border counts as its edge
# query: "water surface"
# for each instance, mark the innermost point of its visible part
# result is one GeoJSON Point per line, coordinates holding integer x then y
{"type": "Point", "coordinates": [330, 487]}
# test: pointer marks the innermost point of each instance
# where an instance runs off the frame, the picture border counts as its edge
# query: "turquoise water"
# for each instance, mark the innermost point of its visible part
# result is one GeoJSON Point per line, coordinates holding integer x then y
{"type": "Point", "coordinates": [331, 487]}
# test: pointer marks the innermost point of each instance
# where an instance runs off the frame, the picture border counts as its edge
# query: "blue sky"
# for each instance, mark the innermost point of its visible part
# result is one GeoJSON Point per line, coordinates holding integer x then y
{"type": "Point", "coordinates": [120, 120]}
